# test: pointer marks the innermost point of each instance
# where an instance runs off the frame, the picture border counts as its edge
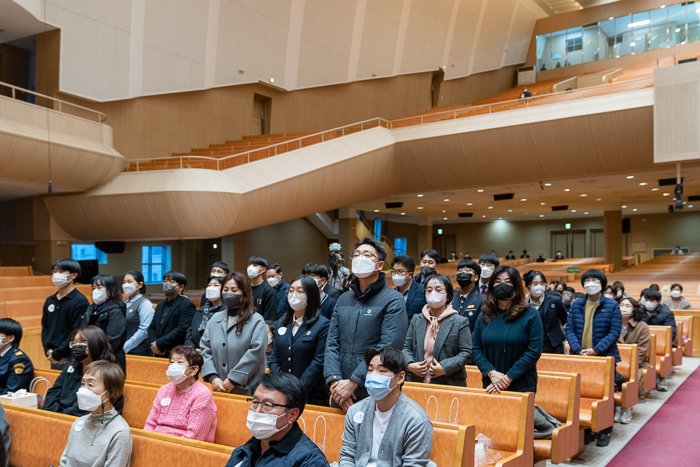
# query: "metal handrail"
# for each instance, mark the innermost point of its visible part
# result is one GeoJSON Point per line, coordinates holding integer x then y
{"type": "Point", "coordinates": [519, 100]}
{"type": "Point", "coordinates": [100, 116]}
{"type": "Point", "coordinates": [389, 125]}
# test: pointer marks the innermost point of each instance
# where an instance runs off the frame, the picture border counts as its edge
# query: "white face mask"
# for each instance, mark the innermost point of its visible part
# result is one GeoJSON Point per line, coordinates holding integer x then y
{"type": "Point", "coordinates": [88, 401]}
{"type": "Point", "coordinates": [592, 288]}
{"type": "Point", "coordinates": [363, 267]}
{"type": "Point", "coordinates": [608, 295]}
{"type": "Point", "coordinates": [273, 281]}
{"type": "Point", "coordinates": [619, 293]}
{"type": "Point", "coordinates": [626, 310]}
{"type": "Point", "coordinates": [263, 425]}
{"type": "Point", "coordinates": [99, 296]}
{"type": "Point", "coordinates": [129, 288]}
{"type": "Point", "coordinates": [675, 293]}
{"type": "Point", "coordinates": [435, 299]}
{"type": "Point", "coordinates": [537, 290]}
{"type": "Point", "coordinates": [398, 280]}
{"type": "Point", "coordinates": [297, 301]}
{"type": "Point", "coordinates": [486, 273]}
{"type": "Point", "coordinates": [650, 306]}
{"type": "Point", "coordinates": [176, 373]}
{"type": "Point", "coordinates": [61, 280]}
{"type": "Point", "coordinates": [253, 271]}
{"type": "Point", "coordinates": [213, 293]}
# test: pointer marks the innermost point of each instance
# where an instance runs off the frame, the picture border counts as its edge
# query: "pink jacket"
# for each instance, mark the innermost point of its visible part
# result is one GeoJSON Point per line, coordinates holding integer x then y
{"type": "Point", "coordinates": [188, 414]}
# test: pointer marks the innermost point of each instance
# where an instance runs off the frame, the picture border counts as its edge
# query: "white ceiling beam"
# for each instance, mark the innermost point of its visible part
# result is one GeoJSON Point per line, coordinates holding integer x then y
{"type": "Point", "coordinates": [291, 64]}
{"type": "Point", "coordinates": [356, 44]}
{"type": "Point", "coordinates": [401, 41]}
{"type": "Point", "coordinates": [450, 33]}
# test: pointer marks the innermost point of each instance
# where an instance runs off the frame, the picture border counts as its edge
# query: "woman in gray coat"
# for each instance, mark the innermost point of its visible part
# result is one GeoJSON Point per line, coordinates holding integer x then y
{"type": "Point", "coordinates": [235, 340]}
{"type": "Point", "coordinates": [439, 342]}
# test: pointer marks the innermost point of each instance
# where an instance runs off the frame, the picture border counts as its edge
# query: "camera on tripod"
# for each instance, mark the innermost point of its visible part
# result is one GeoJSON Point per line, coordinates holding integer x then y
{"type": "Point", "coordinates": [333, 258]}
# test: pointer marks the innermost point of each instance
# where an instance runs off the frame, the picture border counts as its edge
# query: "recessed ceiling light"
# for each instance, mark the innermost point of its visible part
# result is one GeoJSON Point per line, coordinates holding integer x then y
{"type": "Point", "coordinates": [643, 183]}
{"type": "Point", "coordinates": [500, 218]}
{"type": "Point", "coordinates": [542, 204]}
{"type": "Point", "coordinates": [678, 29]}
{"type": "Point", "coordinates": [403, 213]}
{"type": "Point", "coordinates": [484, 215]}
{"type": "Point", "coordinates": [567, 189]}
{"type": "Point", "coordinates": [420, 207]}
{"type": "Point", "coordinates": [272, 80]}
{"type": "Point", "coordinates": [480, 191]}
{"type": "Point", "coordinates": [585, 212]}
{"type": "Point", "coordinates": [376, 210]}
{"type": "Point", "coordinates": [665, 194]}
{"type": "Point", "coordinates": [623, 207]}
{"type": "Point", "coordinates": [510, 210]}
{"type": "Point", "coordinates": [446, 199]}
{"type": "Point", "coordinates": [583, 195]}
{"type": "Point", "coordinates": [524, 199]}
{"type": "Point", "coordinates": [469, 204]}
{"type": "Point", "coordinates": [611, 18]}
{"type": "Point", "coordinates": [635, 209]}
{"type": "Point", "coordinates": [420, 196]}
{"type": "Point", "coordinates": [573, 210]}
{"type": "Point", "coordinates": [444, 210]}
{"type": "Point", "coordinates": [598, 199]}
{"type": "Point", "coordinates": [445, 218]}
{"type": "Point", "coordinates": [547, 184]}
{"type": "Point", "coordinates": [690, 206]}
{"type": "Point", "coordinates": [654, 189]}
{"type": "Point", "coordinates": [541, 215]}
{"type": "Point", "coordinates": [490, 207]}
{"type": "Point", "coordinates": [629, 177]}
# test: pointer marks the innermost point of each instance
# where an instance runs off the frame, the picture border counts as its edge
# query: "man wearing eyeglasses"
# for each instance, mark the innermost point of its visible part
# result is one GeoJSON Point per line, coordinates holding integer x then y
{"type": "Point", "coordinates": [277, 403]}
{"type": "Point", "coordinates": [370, 314]}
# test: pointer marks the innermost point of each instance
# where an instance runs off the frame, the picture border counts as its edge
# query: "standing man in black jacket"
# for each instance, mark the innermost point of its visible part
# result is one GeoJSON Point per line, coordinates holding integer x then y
{"type": "Point", "coordinates": [370, 314]}
{"type": "Point", "coordinates": [659, 315]}
{"type": "Point", "coordinates": [265, 297]}
{"type": "Point", "coordinates": [467, 298]}
{"type": "Point", "coordinates": [172, 318]}
{"type": "Point", "coordinates": [62, 312]}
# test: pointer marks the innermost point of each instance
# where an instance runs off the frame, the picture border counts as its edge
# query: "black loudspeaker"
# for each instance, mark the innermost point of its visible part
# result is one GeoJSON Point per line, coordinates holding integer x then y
{"type": "Point", "coordinates": [626, 225]}
{"type": "Point", "coordinates": [110, 247]}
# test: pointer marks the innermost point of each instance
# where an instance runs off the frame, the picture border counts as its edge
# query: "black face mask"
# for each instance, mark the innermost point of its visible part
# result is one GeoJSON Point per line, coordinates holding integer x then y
{"type": "Point", "coordinates": [426, 271]}
{"type": "Point", "coordinates": [231, 300]}
{"type": "Point", "coordinates": [79, 352]}
{"type": "Point", "coordinates": [464, 278]}
{"type": "Point", "coordinates": [504, 291]}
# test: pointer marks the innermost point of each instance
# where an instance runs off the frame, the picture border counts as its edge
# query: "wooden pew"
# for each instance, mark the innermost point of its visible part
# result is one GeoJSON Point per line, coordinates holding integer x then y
{"type": "Point", "coordinates": [664, 365]}
{"type": "Point", "coordinates": [558, 394]}
{"type": "Point", "coordinates": [628, 368]}
{"type": "Point", "coordinates": [39, 438]}
{"type": "Point", "coordinates": [687, 337]}
{"type": "Point", "coordinates": [511, 431]}
{"type": "Point", "coordinates": [36, 293]}
{"type": "Point", "coordinates": [147, 369]}
{"type": "Point", "coordinates": [10, 271]}
{"type": "Point", "coordinates": [677, 352]}
{"type": "Point", "coordinates": [25, 281]}
{"type": "Point", "coordinates": [692, 328]}
{"type": "Point", "coordinates": [597, 402]}
{"type": "Point", "coordinates": [649, 374]}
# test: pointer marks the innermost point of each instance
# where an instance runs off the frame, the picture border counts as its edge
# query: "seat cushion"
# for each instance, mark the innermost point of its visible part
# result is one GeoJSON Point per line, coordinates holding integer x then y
{"type": "Point", "coordinates": [543, 449]}
{"type": "Point", "coordinates": [584, 417]}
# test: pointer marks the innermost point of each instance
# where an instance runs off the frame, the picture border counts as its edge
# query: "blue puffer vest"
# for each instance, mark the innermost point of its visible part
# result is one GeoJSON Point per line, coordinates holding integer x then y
{"type": "Point", "coordinates": [607, 324]}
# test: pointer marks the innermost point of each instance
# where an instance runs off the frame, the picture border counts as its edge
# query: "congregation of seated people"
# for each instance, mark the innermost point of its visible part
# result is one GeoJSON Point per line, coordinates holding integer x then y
{"type": "Point", "coordinates": [287, 344]}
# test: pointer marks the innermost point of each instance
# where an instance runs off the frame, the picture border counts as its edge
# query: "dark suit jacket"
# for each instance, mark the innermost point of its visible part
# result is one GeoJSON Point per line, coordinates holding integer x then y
{"type": "Point", "coordinates": [554, 315]}
{"type": "Point", "coordinates": [470, 307]}
{"type": "Point", "coordinates": [331, 291]}
{"type": "Point", "coordinates": [415, 299]}
{"type": "Point", "coordinates": [302, 355]}
{"type": "Point", "coordinates": [170, 324]}
{"type": "Point", "coordinates": [453, 348]}
{"type": "Point", "coordinates": [328, 306]}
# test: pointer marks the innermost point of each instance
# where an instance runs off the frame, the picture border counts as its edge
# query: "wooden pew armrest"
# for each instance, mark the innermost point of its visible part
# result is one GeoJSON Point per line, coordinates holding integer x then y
{"type": "Point", "coordinates": [564, 442]}
{"type": "Point", "coordinates": [516, 460]}
{"type": "Point", "coordinates": [602, 413]}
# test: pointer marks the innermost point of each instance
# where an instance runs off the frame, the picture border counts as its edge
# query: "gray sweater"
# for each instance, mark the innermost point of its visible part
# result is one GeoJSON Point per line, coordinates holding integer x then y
{"type": "Point", "coordinates": [92, 443]}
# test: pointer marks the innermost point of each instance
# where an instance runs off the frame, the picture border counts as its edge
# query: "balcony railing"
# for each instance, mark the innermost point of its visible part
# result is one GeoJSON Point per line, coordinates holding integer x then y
{"type": "Point", "coordinates": [16, 92]}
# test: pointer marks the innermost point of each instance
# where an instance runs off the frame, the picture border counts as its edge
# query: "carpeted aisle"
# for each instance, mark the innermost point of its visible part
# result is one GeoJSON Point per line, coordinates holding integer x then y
{"type": "Point", "coordinates": [670, 437]}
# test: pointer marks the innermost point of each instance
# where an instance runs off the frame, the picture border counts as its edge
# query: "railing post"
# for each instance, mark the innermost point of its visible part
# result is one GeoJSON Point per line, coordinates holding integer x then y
{"type": "Point", "coordinates": [275, 150]}
{"type": "Point", "coordinates": [248, 157]}
{"type": "Point", "coordinates": [343, 131]}
{"type": "Point", "coordinates": [362, 126]}
{"type": "Point", "coordinates": [181, 162]}
{"type": "Point", "coordinates": [217, 165]}
{"type": "Point", "coordinates": [13, 93]}
{"type": "Point", "coordinates": [421, 119]}
{"type": "Point", "coordinates": [322, 137]}
{"type": "Point", "coordinates": [137, 166]}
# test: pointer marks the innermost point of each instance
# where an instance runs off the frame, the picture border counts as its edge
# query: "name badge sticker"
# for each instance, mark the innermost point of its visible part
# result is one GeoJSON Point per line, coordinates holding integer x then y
{"type": "Point", "coordinates": [165, 402]}
{"type": "Point", "coordinates": [282, 331]}
{"type": "Point", "coordinates": [359, 417]}
{"type": "Point", "coordinates": [51, 308]}
{"type": "Point", "coordinates": [79, 425]}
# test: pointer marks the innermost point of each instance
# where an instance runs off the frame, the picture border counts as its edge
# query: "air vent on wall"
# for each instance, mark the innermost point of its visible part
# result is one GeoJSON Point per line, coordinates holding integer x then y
{"type": "Point", "coordinates": [560, 208]}
{"type": "Point", "coordinates": [668, 181]}
{"type": "Point", "coordinates": [503, 196]}
{"type": "Point", "coordinates": [694, 198]}
{"type": "Point", "coordinates": [466, 214]}
{"type": "Point", "coordinates": [393, 205]}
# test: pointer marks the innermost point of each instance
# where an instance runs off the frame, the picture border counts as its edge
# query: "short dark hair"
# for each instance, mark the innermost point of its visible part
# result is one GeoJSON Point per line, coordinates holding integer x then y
{"type": "Point", "coordinates": [444, 281]}
{"type": "Point", "coordinates": [381, 251]}
{"type": "Point", "coordinates": [175, 276]}
{"type": "Point", "coordinates": [313, 302]}
{"type": "Point", "coordinates": [405, 261]}
{"type": "Point", "coordinates": [222, 265]}
{"type": "Point", "coordinates": [294, 392]}
{"type": "Point", "coordinates": [530, 276]}
{"type": "Point", "coordinates": [569, 289]}
{"type": "Point", "coordinates": [391, 358]}
{"type": "Point", "coordinates": [272, 328]}
{"type": "Point", "coordinates": [97, 343]}
{"type": "Point", "coordinates": [595, 274]}
{"type": "Point", "coordinates": [258, 261]}
{"type": "Point", "coordinates": [66, 264]}
{"type": "Point", "coordinates": [488, 258]}
{"type": "Point", "coordinates": [114, 293]}
{"type": "Point", "coordinates": [471, 264]}
{"type": "Point", "coordinates": [276, 267]}
{"type": "Point", "coordinates": [315, 269]}
{"type": "Point", "coordinates": [673, 286]}
{"type": "Point", "coordinates": [654, 287]}
{"type": "Point", "coordinates": [138, 277]}
{"type": "Point", "coordinates": [218, 279]}
{"type": "Point", "coordinates": [193, 357]}
{"type": "Point", "coordinates": [10, 327]}
{"type": "Point", "coordinates": [652, 295]}
{"type": "Point", "coordinates": [112, 375]}
{"type": "Point", "coordinates": [430, 253]}
{"type": "Point", "coordinates": [578, 295]}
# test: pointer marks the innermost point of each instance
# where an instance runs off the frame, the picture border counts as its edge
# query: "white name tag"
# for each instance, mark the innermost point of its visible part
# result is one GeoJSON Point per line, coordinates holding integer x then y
{"type": "Point", "coordinates": [282, 331]}
{"type": "Point", "coordinates": [79, 425]}
{"type": "Point", "coordinates": [52, 307]}
{"type": "Point", "coordinates": [165, 402]}
{"type": "Point", "coordinates": [358, 417]}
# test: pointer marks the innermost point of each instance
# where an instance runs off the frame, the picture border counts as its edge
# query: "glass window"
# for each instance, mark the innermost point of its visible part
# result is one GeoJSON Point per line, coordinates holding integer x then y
{"type": "Point", "coordinates": [623, 35]}
{"type": "Point", "coordinates": [87, 252]}
{"type": "Point", "coordinates": [606, 38]}
{"type": "Point", "coordinates": [574, 47]}
{"type": "Point", "coordinates": [558, 49]}
{"type": "Point", "coordinates": [155, 263]}
{"type": "Point", "coordinates": [639, 32]}
{"type": "Point", "coordinates": [400, 246]}
{"type": "Point", "coordinates": [676, 23]}
{"type": "Point", "coordinates": [590, 43]}
{"type": "Point", "coordinates": [659, 32]}
{"type": "Point", "coordinates": [692, 21]}
{"type": "Point", "coordinates": [377, 229]}
{"type": "Point", "coordinates": [544, 52]}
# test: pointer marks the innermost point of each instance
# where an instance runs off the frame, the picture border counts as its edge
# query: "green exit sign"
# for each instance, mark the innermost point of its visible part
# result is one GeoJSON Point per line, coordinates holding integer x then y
{"type": "Point", "coordinates": [573, 270]}
{"type": "Point", "coordinates": [439, 231]}
{"type": "Point", "coordinates": [567, 226]}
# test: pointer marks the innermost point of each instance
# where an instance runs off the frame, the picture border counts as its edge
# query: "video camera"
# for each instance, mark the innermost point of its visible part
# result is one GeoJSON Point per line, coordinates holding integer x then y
{"type": "Point", "coordinates": [333, 258]}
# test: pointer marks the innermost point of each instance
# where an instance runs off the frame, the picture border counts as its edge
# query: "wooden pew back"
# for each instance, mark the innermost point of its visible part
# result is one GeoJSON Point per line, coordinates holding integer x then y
{"type": "Point", "coordinates": [10, 271]}
{"type": "Point", "coordinates": [37, 293]}
{"type": "Point", "coordinates": [629, 369]}
{"type": "Point", "coordinates": [687, 338]}
{"type": "Point", "coordinates": [664, 363]}
{"type": "Point", "coordinates": [147, 369]}
{"type": "Point", "coordinates": [559, 395]}
{"type": "Point", "coordinates": [25, 281]}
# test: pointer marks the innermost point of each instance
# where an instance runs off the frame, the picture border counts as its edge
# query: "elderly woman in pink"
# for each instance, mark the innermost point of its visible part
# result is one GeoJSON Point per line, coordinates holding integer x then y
{"type": "Point", "coordinates": [185, 406]}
